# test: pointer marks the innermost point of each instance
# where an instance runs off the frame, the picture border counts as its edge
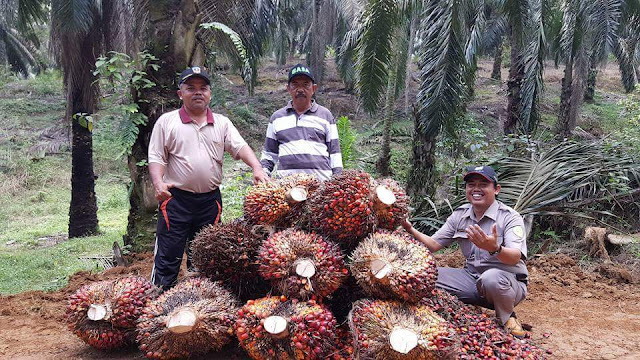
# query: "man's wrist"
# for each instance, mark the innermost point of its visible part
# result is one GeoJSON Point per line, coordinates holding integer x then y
{"type": "Point", "coordinates": [496, 251]}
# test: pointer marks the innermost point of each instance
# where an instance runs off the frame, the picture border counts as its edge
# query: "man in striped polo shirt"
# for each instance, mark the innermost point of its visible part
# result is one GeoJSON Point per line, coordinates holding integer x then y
{"type": "Point", "coordinates": [302, 137]}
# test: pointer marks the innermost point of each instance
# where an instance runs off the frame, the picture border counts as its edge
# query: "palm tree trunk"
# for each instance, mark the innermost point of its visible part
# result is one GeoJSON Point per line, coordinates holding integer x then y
{"type": "Point", "coordinates": [422, 175]}
{"type": "Point", "coordinates": [382, 165]}
{"type": "Point", "coordinates": [590, 91]}
{"type": "Point", "coordinates": [497, 63]}
{"type": "Point", "coordinates": [516, 78]}
{"type": "Point", "coordinates": [407, 78]}
{"type": "Point", "coordinates": [563, 127]}
{"type": "Point", "coordinates": [172, 39]}
{"type": "Point", "coordinates": [83, 209]}
{"type": "Point", "coordinates": [318, 42]}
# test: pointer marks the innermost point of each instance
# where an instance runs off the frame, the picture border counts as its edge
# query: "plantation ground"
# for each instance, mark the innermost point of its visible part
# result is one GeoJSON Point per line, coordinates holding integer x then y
{"type": "Point", "coordinates": [579, 307]}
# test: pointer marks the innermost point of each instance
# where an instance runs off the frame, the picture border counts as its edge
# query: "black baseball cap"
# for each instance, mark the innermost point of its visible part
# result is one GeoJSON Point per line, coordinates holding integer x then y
{"type": "Point", "coordinates": [194, 71]}
{"type": "Point", "coordinates": [300, 70]}
{"type": "Point", "coordinates": [485, 171]}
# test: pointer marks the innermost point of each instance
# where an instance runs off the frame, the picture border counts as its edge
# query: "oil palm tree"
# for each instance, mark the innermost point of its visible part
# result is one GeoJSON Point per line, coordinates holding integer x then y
{"type": "Point", "coordinates": [589, 32]}
{"type": "Point", "coordinates": [80, 32]}
{"type": "Point", "coordinates": [18, 19]}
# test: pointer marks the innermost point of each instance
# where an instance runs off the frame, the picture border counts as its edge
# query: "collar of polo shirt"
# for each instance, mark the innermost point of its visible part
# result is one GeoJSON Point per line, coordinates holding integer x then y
{"type": "Point", "coordinates": [185, 118]}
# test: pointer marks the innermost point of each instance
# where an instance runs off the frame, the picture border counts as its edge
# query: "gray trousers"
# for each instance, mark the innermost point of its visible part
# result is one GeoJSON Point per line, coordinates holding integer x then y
{"type": "Point", "coordinates": [494, 289]}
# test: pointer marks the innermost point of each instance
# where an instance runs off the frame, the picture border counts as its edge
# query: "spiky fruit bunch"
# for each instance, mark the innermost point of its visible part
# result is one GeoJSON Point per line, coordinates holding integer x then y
{"type": "Point", "coordinates": [266, 204]}
{"type": "Point", "coordinates": [193, 318]}
{"type": "Point", "coordinates": [229, 253]}
{"type": "Point", "coordinates": [301, 265]}
{"type": "Point", "coordinates": [277, 328]}
{"type": "Point", "coordinates": [302, 184]}
{"type": "Point", "coordinates": [343, 208]}
{"type": "Point", "coordinates": [392, 330]}
{"type": "Point", "coordinates": [129, 297]}
{"type": "Point", "coordinates": [479, 336]}
{"type": "Point", "coordinates": [103, 314]}
{"type": "Point", "coordinates": [387, 265]}
{"type": "Point", "coordinates": [88, 317]}
{"type": "Point", "coordinates": [391, 203]}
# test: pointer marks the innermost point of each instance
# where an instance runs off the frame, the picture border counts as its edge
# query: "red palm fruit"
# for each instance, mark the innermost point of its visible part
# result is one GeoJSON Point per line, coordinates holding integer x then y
{"type": "Point", "coordinates": [299, 188]}
{"type": "Point", "coordinates": [391, 203]}
{"type": "Point", "coordinates": [129, 296]}
{"type": "Point", "coordinates": [389, 265]}
{"type": "Point", "coordinates": [89, 313]}
{"type": "Point", "coordinates": [479, 334]}
{"type": "Point", "coordinates": [393, 330]}
{"type": "Point", "coordinates": [266, 204]}
{"type": "Point", "coordinates": [193, 318]}
{"type": "Point", "coordinates": [229, 253]}
{"type": "Point", "coordinates": [301, 265]}
{"type": "Point", "coordinates": [270, 328]}
{"type": "Point", "coordinates": [342, 209]}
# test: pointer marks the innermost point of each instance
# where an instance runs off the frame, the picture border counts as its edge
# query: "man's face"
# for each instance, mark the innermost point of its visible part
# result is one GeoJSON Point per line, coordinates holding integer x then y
{"type": "Point", "coordinates": [301, 89]}
{"type": "Point", "coordinates": [195, 94]}
{"type": "Point", "coordinates": [480, 192]}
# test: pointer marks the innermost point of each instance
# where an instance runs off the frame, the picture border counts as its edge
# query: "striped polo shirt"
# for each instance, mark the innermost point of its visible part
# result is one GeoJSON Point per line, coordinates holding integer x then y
{"type": "Point", "coordinates": [306, 143]}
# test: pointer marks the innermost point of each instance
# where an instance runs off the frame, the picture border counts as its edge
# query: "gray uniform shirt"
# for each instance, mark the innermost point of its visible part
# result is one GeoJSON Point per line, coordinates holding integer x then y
{"type": "Point", "coordinates": [511, 234]}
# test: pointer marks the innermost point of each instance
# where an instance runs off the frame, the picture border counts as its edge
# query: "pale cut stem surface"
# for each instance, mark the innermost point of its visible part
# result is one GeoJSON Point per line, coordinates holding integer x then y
{"type": "Point", "coordinates": [385, 195]}
{"type": "Point", "coordinates": [276, 326]}
{"type": "Point", "coordinates": [403, 340]}
{"type": "Point", "coordinates": [297, 195]}
{"type": "Point", "coordinates": [305, 268]}
{"type": "Point", "coordinates": [380, 268]}
{"type": "Point", "coordinates": [96, 312]}
{"type": "Point", "coordinates": [182, 321]}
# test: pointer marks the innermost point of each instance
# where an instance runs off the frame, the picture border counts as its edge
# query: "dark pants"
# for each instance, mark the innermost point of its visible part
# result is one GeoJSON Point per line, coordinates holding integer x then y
{"type": "Point", "coordinates": [179, 218]}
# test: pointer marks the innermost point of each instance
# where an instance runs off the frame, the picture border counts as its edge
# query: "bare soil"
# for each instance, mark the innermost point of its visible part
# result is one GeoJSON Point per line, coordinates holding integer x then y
{"type": "Point", "coordinates": [574, 313]}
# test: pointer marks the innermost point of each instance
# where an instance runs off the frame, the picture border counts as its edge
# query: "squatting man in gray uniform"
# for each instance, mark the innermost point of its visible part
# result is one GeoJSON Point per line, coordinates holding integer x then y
{"type": "Point", "coordinates": [492, 238]}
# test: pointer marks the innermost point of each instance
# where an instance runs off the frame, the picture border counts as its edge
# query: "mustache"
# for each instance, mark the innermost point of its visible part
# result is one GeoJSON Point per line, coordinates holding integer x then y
{"type": "Point", "coordinates": [301, 95]}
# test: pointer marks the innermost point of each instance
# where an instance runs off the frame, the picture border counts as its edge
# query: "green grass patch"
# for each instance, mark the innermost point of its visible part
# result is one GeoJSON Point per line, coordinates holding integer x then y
{"type": "Point", "coordinates": [47, 83]}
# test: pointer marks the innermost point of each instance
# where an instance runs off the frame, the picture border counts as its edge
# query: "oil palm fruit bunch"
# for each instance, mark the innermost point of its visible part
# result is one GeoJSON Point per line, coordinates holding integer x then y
{"type": "Point", "coordinates": [391, 203]}
{"type": "Point", "coordinates": [393, 330]}
{"type": "Point", "coordinates": [301, 265]}
{"type": "Point", "coordinates": [279, 202]}
{"type": "Point", "coordinates": [342, 208]}
{"type": "Point", "coordinates": [193, 318]}
{"type": "Point", "coordinates": [479, 335]}
{"type": "Point", "coordinates": [388, 265]}
{"type": "Point", "coordinates": [278, 328]}
{"type": "Point", "coordinates": [104, 314]}
{"type": "Point", "coordinates": [228, 253]}
{"type": "Point", "coordinates": [299, 188]}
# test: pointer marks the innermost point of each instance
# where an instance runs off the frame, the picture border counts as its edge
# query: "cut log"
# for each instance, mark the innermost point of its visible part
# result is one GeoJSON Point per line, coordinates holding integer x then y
{"type": "Point", "coordinates": [403, 340]}
{"type": "Point", "coordinates": [276, 326]}
{"type": "Point", "coordinates": [385, 195]}
{"type": "Point", "coordinates": [297, 194]}
{"type": "Point", "coordinates": [305, 268]}
{"type": "Point", "coordinates": [380, 268]}
{"type": "Point", "coordinates": [96, 312]}
{"type": "Point", "coordinates": [182, 321]}
{"type": "Point", "coordinates": [621, 239]}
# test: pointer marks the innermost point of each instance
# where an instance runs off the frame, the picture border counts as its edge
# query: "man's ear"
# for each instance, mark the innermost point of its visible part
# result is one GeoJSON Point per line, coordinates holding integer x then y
{"type": "Point", "coordinates": [498, 187]}
{"type": "Point", "coordinates": [180, 94]}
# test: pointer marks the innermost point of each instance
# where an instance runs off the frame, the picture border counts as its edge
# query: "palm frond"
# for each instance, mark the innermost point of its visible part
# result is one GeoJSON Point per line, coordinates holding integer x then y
{"type": "Point", "coordinates": [442, 66]}
{"type": "Point", "coordinates": [604, 22]}
{"type": "Point", "coordinates": [240, 49]}
{"type": "Point", "coordinates": [30, 12]}
{"type": "Point", "coordinates": [533, 57]}
{"type": "Point", "coordinates": [374, 51]}
{"type": "Point", "coordinates": [403, 54]}
{"type": "Point", "coordinates": [79, 15]}
{"type": "Point", "coordinates": [558, 181]}
{"type": "Point", "coordinates": [477, 22]}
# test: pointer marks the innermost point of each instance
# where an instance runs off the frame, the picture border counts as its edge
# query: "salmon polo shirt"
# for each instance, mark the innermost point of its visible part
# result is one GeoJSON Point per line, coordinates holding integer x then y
{"type": "Point", "coordinates": [192, 154]}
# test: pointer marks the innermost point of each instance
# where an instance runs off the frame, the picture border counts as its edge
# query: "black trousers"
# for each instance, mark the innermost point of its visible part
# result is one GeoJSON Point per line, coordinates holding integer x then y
{"type": "Point", "coordinates": [179, 219]}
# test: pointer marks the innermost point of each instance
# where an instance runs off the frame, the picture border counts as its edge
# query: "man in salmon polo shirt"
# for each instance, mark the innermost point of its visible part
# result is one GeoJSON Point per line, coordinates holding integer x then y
{"type": "Point", "coordinates": [186, 152]}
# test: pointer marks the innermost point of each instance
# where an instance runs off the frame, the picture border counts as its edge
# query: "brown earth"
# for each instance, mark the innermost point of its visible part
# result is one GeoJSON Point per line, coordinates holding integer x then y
{"type": "Point", "coordinates": [575, 313]}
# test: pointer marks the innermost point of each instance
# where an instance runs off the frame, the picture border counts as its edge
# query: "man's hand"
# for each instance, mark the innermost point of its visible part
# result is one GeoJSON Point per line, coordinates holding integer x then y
{"type": "Point", "coordinates": [162, 191]}
{"type": "Point", "coordinates": [260, 176]}
{"type": "Point", "coordinates": [407, 225]}
{"type": "Point", "coordinates": [482, 240]}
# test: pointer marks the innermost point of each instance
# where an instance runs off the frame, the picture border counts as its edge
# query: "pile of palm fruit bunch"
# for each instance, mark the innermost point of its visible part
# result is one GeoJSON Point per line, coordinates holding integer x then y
{"type": "Point", "coordinates": [193, 318]}
{"type": "Point", "coordinates": [104, 314]}
{"type": "Point", "coordinates": [390, 266]}
{"type": "Point", "coordinates": [279, 203]}
{"type": "Point", "coordinates": [278, 328]}
{"type": "Point", "coordinates": [302, 265]}
{"type": "Point", "coordinates": [227, 253]}
{"type": "Point", "coordinates": [480, 335]}
{"type": "Point", "coordinates": [395, 330]}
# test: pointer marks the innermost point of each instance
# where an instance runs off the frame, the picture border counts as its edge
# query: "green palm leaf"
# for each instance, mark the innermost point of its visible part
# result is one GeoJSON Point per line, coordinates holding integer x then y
{"type": "Point", "coordinates": [374, 51]}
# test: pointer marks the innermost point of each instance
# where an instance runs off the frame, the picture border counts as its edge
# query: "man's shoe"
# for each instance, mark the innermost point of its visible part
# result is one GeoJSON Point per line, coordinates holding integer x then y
{"type": "Point", "coordinates": [514, 327]}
